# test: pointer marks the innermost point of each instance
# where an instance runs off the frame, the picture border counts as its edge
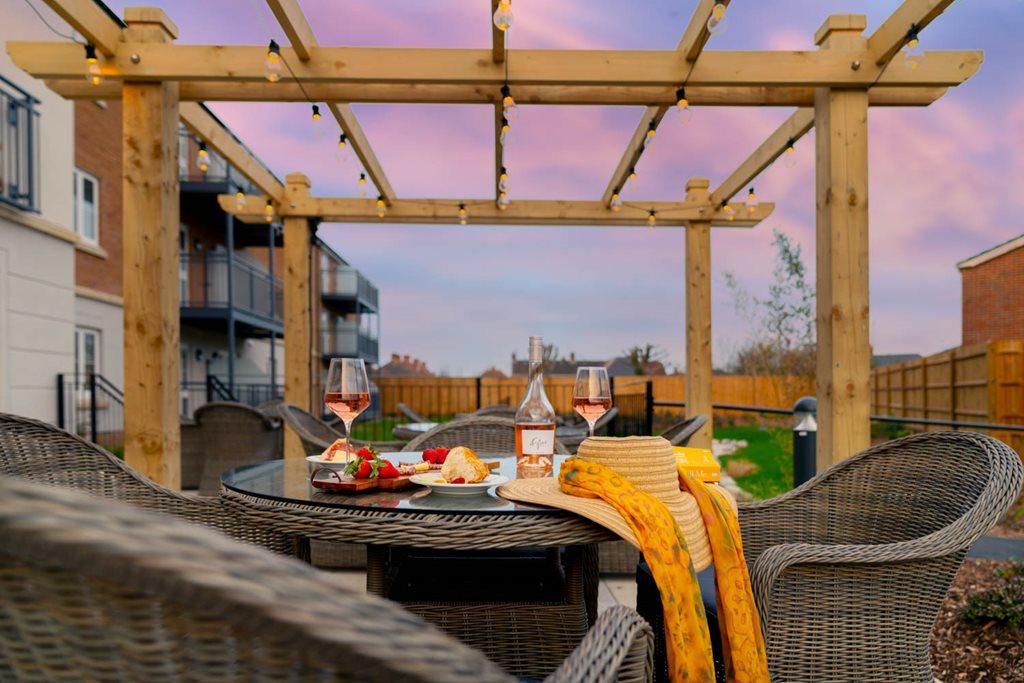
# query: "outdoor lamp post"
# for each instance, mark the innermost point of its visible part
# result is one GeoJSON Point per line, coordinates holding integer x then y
{"type": "Point", "coordinates": [805, 435]}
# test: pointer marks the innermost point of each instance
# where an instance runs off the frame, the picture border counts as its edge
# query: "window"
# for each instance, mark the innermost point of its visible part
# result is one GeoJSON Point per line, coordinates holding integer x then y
{"type": "Point", "coordinates": [87, 351]}
{"type": "Point", "coordinates": [87, 206]}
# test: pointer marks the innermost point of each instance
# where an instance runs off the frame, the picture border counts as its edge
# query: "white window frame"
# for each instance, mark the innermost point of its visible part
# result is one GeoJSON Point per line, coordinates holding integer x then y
{"type": "Point", "coordinates": [80, 334]}
{"type": "Point", "coordinates": [80, 206]}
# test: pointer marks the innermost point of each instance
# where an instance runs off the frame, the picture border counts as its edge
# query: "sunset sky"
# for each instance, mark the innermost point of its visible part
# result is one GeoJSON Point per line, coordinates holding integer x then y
{"type": "Point", "coordinates": [945, 180]}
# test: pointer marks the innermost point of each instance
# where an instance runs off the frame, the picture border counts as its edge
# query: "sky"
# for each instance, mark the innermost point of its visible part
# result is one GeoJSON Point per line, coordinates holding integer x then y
{"type": "Point", "coordinates": [945, 181]}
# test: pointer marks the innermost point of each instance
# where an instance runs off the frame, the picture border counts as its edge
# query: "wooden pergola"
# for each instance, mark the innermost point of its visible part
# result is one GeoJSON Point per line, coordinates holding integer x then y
{"type": "Point", "coordinates": [161, 81]}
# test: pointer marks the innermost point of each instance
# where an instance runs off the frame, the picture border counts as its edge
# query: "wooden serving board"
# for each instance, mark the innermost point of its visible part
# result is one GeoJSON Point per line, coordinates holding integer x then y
{"type": "Point", "coordinates": [352, 485]}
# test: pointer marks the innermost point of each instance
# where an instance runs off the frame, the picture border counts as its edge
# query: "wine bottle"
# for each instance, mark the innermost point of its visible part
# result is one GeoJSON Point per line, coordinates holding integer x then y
{"type": "Point", "coordinates": [535, 421]}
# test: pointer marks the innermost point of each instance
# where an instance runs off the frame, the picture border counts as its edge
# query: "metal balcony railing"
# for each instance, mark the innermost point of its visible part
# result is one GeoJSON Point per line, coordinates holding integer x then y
{"type": "Point", "coordinates": [348, 282]}
{"type": "Point", "coordinates": [19, 147]}
{"type": "Point", "coordinates": [345, 338]}
{"type": "Point", "coordinates": [219, 171]}
{"type": "Point", "coordinates": [204, 284]}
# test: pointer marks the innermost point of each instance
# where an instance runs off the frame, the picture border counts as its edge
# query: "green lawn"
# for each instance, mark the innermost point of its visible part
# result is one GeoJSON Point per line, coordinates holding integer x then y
{"type": "Point", "coordinates": [771, 450]}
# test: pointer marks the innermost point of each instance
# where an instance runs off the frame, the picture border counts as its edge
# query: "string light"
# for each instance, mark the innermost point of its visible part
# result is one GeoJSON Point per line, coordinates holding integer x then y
{"type": "Point", "coordinates": [616, 203]}
{"type": "Point", "coordinates": [503, 201]}
{"type": "Point", "coordinates": [683, 105]}
{"type": "Point", "coordinates": [912, 52]}
{"type": "Point", "coordinates": [505, 128]}
{"type": "Point", "coordinates": [316, 112]}
{"type": "Point", "coordinates": [503, 180]}
{"type": "Point", "coordinates": [503, 17]}
{"type": "Point", "coordinates": [463, 214]}
{"type": "Point", "coordinates": [631, 180]}
{"type": "Point", "coordinates": [752, 198]}
{"type": "Point", "coordinates": [652, 219]}
{"type": "Point", "coordinates": [239, 201]}
{"type": "Point", "coordinates": [380, 206]}
{"type": "Point", "coordinates": [362, 185]}
{"type": "Point", "coordinates": [730, 213]}
{"type": "Point", "coordinates": [789, 160]}
{"type": "Point", "coordinates": [649, 135]}
{"type": "Point", "coordinates": [508, 103]}
{"type": "Point", "coordinates": [342, 148]}
{"type": "Point", "coordinates": [717, 21]}
{"type": "Point", "coordinates": [93, 73]}
{"type": "Point", "coordinates": [268, 212]}
{"type": "Point", "coordinates": [203, 158]}
{"type": "Point", "coordinates": [273, 62]}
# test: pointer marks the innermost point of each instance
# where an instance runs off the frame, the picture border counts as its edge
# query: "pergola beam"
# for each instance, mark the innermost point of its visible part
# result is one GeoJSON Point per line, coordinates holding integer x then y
{"type": "Point", "coordinates": [303, 41]}
{"type": "Point", "coordinates": [795, 127]}
{"type": "Point", "coordinates": [521, 212]}
{"type": "Point", "coordinates": [890, 37]}
{"type": "Point", "coordinates": [456, 66]}
{"type": "Point", "coordinates": [89, 19]}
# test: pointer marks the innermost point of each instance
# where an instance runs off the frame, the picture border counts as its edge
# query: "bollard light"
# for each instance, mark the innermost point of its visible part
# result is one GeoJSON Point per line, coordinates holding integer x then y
{"type": "Point", "coordinates": [805, 437]}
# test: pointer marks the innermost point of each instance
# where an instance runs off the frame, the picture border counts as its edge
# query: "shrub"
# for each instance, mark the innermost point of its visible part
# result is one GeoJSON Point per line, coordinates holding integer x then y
{"type": "Point", "coordinates": [1003, 604]}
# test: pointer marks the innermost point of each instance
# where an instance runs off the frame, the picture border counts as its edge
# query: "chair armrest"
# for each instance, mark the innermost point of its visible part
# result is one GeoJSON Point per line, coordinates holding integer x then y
{"type": "Point", "coordinates": [620, 646]}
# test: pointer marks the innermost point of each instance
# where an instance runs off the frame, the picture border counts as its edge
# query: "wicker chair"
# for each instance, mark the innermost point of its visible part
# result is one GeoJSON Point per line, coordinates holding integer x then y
{"type": "Point", "coordinates": [482, 434]}
{"type": "Point", "coordinates": [410, 413]}
{"type": "Point", "coordinates": [234, 434]}
{"type": "Point", "coordinates": [681, 432]}
{"type": "Point", "coordinates": [95, 590]}
{"type": "Point", "coordinates": [40, 452]}
{"type": "Point", "coordinates": [497, 410]}
{"type": "Point", "coordinates": [193, 453]}
{"type": "Point", "coordinates": [849, 569]}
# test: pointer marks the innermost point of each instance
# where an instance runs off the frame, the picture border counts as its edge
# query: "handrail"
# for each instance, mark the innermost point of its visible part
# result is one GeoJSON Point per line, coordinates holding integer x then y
{"type": "Point", "coordinates": [27, 96]}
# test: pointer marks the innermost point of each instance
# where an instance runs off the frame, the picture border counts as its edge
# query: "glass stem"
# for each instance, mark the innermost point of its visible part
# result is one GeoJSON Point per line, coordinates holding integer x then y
{"type": "Point", "coordinates": [348, 433]}
{"type": "Point", "coordinates": [590, 425]}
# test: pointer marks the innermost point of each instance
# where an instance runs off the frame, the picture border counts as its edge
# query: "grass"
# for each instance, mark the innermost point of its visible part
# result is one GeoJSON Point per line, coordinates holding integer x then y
{"type": "Point", "coordinates": [771, 450]}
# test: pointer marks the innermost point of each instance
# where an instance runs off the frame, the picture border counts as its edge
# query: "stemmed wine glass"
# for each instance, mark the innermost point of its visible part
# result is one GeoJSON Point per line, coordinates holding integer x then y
{"type": "Point", "coordinates": [347, 391]}
{"type": "Point", "coordinates": [592, 394]}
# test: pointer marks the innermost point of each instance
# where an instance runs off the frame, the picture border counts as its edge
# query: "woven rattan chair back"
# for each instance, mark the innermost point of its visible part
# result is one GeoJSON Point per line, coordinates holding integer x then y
{"type": "Point", "coordinates": [851, 568]}
{"type": "Point", "coordinates": [313, 432]}
{"type": "Point", "coordinates": [483, 434]}
{"type": "Point", "coordinates": [497, 410]}
{"type": "Point", "coordinates": [234, 434]}
{"type": "Point", "coordinates": [680, 433]}
{"type": "Point", "coordinates": [39, 452]}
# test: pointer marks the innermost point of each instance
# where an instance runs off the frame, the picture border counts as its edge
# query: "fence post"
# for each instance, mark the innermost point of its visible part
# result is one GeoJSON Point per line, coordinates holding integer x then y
{"type": "Point", "coordinates": [649, 408]}
{"type": "Point", "coordinates": [479, 392]}
{"type": "Point", "coordinates": [93, 414]}
{"type": "Point", "coordinates": [805, 438]}
{"type": "Point", "coordinates": [60, 400]}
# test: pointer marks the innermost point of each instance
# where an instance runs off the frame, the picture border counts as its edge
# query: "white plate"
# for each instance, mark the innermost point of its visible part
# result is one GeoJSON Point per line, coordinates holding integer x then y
{"type": "Point", "coordinates": [318, 461]}
{"type": "Point", "coordinates": [436, 484]}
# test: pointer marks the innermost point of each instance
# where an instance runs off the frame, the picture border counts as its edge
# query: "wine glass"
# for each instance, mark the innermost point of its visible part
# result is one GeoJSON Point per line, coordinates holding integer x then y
{"type": "Point", "coordinates": [592, 394]}
{"type": "Point", "coordinates": [347, 391]}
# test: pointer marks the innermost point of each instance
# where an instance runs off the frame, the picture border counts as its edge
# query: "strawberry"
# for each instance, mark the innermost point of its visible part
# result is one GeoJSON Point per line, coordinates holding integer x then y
{"type": "Point", "coordinates": [367, 453]}
{"type": "Point", "coordinates": [440, 454]}
{"type": "Point", "coordinates": [362, 469]}
{"type": "Point", "coordinates": [458, 480]}
{"type": "Point", "coordinates": [387, 470]}
{"type": "Point", "coordinates": [428, 455]}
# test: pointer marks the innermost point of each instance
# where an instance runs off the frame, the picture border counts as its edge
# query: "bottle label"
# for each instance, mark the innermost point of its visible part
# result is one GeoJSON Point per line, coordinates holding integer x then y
{"type": "Point", "coordinates": [538, 441]}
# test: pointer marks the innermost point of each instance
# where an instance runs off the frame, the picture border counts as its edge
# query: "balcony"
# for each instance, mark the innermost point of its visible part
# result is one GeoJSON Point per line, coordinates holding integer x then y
{"type": "Point", "coordinates": [252, 294]}
{"type": "Point", "coordinates": [348, 284]}
{"type": "Point", "coordinates": [19, 148]}
{"type": "Point", "coordinates": [345, 338]}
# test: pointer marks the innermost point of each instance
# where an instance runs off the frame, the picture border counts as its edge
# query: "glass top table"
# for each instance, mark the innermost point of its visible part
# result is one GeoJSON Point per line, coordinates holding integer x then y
{"type": "Point", "coordinates": [288, 481]}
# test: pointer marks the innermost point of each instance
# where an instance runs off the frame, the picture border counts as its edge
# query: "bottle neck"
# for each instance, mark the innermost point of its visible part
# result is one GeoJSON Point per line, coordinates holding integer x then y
{"type": "Point", "coordinates": [536, 372]}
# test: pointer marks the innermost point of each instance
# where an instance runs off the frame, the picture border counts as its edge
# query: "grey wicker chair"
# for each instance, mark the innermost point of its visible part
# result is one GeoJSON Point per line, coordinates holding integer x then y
{"type": "Point", "coordinates": [193, 453]}
{"type": "Point", "coordinates": [96, 590]}
{"type": "Point", "coordinates": [38, 451]}
{"type": "Point", "coordinates": [497, 410]}
{"type": "Point", "coordinates": [483, 434]}
{"type": "Point", "coordinates": [681, 432]}
{"type": "Point", "coordinates": [850, 569]}
{"type": "Point", "coordinates": [233, 435]}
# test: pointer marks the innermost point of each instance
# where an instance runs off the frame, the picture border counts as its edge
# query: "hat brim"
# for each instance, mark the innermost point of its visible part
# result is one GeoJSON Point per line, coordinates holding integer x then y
{"type": "Point", "coordinates": [546, 491]}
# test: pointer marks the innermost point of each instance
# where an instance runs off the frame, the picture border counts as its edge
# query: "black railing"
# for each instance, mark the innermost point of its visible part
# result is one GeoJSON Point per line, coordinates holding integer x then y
{"type": "Point", "coordinates": [348, 282]}
{"type": "Point", "coordinates": [214, 388]}
{"type": "Point", "coordinates": [204, 284]}
{"type": "Point", "coordinates": [19, 147]}
{"type": "Point", "coordinates": [346, 338]}
{"type": "Point", "coordinates": [91, 407]}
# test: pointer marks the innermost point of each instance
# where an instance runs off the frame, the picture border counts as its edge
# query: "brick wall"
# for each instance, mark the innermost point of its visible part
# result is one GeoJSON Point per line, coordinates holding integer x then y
{"type": "Point", "coordinates": [993, 299]}
{"type": "Point", "coordinates": [98, 151]}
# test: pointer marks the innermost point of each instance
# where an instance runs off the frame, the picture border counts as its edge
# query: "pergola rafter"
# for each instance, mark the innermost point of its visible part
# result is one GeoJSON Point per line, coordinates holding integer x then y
{"type": "Point", "coordinates": [832, 88]}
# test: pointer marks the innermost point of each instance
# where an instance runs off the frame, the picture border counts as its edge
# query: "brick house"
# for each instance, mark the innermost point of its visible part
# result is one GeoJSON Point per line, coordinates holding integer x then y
{"type": "Point", "coordinates": [992, 283]}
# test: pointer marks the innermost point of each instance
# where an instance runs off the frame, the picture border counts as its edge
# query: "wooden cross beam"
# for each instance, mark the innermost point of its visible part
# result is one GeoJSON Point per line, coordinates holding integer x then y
{"type": "Point", "coordinates": [695, 37]}
{"type": "Point", "coordinates": [303, 41]}
{"type": "Point", "coordinates": [88, 18]}
{"type": "Point", "coordinates": [890, 37]}
{"type": "Point", "coordinates": [521, 212]}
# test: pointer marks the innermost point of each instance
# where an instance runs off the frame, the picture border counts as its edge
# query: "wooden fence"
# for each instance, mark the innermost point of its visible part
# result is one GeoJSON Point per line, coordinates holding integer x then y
{"type": "Point", "coordinates": [977, 383]}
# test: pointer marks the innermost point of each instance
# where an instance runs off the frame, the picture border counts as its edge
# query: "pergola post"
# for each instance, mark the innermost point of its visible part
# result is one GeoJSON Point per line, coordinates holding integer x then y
{"type": "Point", "coordinates": [151, 293]}
{"type": "Point", "coordinates": [298, 342]}
{"type": "Point", "coordinates": [698, 316]}
{"type": "Point", "coordinates": [841, 196]}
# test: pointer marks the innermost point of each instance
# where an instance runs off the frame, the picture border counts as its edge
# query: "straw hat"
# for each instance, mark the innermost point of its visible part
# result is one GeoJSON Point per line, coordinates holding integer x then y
{"type": "Point", "coordinates": [647, 462]}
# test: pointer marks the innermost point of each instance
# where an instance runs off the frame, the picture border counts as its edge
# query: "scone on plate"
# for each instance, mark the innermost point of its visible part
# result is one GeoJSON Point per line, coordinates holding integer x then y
{"type": "Point", "coordinates": [463, 464]}
{"type": "Point", "coordinates": [337, 451]}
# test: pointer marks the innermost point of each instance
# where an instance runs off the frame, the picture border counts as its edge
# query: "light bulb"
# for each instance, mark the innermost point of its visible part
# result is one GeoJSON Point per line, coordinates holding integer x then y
{"type": "Point", "coordinates": [616, 203]}
{"type": "Point", "coordinates": [508, 103]}
{"type": "Point", "coordinates": [752, 196]}
{"type": "Point", "coordinates": [717, 21]}
{"type": "Point", "coordinates": [362, 184]}
{"type": "Point", "coordinates": [683, 108]}
{"type": "Point", "coordinates": [789, 157]}
{"type": "Point", "coordinates": [631, 179]}
{"type": "Point", "coordinates": [342, 148]}
{"type": "Point", "coordinates": [505, 128]}
{"type": "Point", "coordinates": [649, 136]}
{"type": "Point", "coordinates": [463, 214]}
{"type": "Point", "coordinates": [316, 112]}
{"type": "Point", "coordinates": [273, 63]}
{"type": "Point", "coordinates": [380, 206]}
{"type": "Point", "coordinates": [203, 158]}
{"type": "Point", "coordinates": [268, 211]}
{"type": "Point", "coordinates": [652, 220]}
{"type": "Point", "coordinates": [503, 201]}
{"type": "Point", "coordinates": [239, 201]}
{"type": "Point", "coordinates": [912, 51]}
{"type": "Point", "coordinates": [93, 73]}
{"type": "Point", "coordinates": [503, 180]}
{"type": "Point", "coordinates": [503, 17]}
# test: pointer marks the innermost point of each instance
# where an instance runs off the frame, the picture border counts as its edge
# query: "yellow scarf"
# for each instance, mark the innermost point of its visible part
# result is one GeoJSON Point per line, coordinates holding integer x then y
{"type": "Point", "coordinates": [686, 630]}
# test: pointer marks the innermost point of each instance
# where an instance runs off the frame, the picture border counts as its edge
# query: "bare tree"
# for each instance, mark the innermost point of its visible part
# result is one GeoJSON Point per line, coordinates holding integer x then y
{"type": "Point", "coordinates": [640, 357]}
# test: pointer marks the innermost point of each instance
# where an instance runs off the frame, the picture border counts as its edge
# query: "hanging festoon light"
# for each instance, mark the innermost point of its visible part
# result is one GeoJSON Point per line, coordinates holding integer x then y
{"type": "Point", "coordinates": [717, 22]}
{"type": "Point", "coordinates": [316, 113]}
{"type": "Point", "coordinates": [652, 219]}
{"type": "Point", "coordinates": [505, 128]}
{"type": "Point", "coordinates": [631, 178]}
{"type": "Point", "coordinates": [912, 48]}
{"type": "Point", "coordinates": [503, 201]}
{"type": "Point", "coordinates": [203, 159]}
{"type": "Point", "coordinates": [751, 201]}
{"type": "Point", "coordinates": [268, 212]}
{"type": "Point", "coordinates": [239, 201]}
{"type": "Point", "coordinates": [508, 103]}
{"type": "Point", "coordinates": [503, 180]}
{"type": "Point", "coordinates": [683, 106]}
{"type": "Point", "coordinates": [649, 135]}
{"type": "Point", "coordinates": [616, 202]}
{"type": "Point", "coordinates": [272, 72]}
{"type": "Point", "coordinates": [342, 148]}
{"type": "Point", "coordinates": [730, 213]}
{"type": "Point", "coordinates": [463, 214]}
{"type": "Point", "coordinates": [362, 185]}
{"type": "Point", "coordinates": [503, 17]}
{"type": "Point", "coordinates": [789, 156]}
{"type": "Point", "coordinates": [380, 206]}
{"type": "Point", "coordinates": [92, 62]}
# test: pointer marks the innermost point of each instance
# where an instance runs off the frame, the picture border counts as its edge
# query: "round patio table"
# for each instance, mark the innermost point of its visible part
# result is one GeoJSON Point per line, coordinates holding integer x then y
{"type": "Point", "coordinates": [530, 625]}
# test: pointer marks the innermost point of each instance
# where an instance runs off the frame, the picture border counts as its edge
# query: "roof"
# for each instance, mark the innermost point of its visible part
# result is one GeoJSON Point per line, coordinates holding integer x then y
{"type": "Point", "coordinates": [993, 252]}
